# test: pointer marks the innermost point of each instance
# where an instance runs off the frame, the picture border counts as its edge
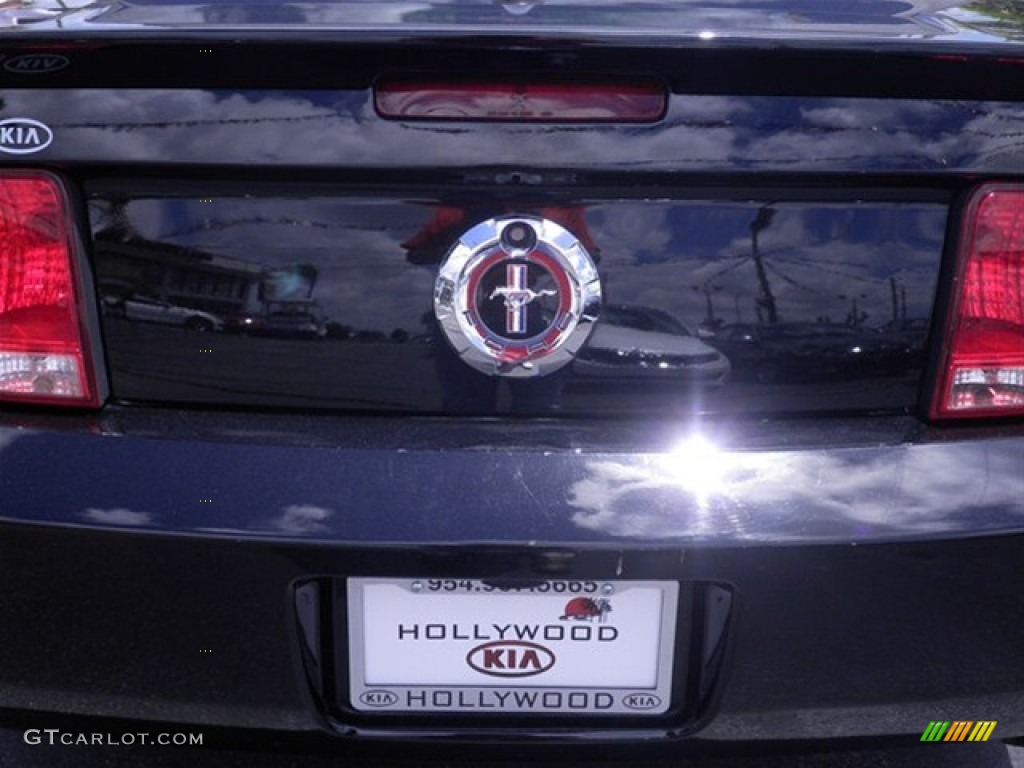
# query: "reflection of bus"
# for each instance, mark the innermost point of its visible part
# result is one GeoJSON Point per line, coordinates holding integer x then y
{"type": "Point", "coordinates": [184, 277]}
{"type": "Point", "coordinates": [203, 287]}
{"type": "Point", "coordinates": [293, 318]}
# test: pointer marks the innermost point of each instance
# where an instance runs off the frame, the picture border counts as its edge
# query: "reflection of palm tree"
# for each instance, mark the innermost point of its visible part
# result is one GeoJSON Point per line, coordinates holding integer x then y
{"type": "Point", "coordinates": [116, 221]}
{"type": "Point", "coordinates": [766, 301]}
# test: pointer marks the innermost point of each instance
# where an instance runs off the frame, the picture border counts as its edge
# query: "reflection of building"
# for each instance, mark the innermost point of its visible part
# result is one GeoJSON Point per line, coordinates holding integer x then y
{"type": "Point", "coordinates": [193, 278]}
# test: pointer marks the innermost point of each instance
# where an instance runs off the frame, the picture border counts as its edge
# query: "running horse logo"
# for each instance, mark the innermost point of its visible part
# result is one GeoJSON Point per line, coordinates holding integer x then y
{"type": "Point", "coordinates": [517, 295]}
{"type": "Point", "coordinates": [587, 609]}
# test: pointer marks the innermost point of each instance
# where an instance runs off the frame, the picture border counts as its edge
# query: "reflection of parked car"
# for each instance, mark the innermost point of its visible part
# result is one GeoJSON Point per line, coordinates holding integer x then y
{"type": "Point", "coordinates": [291, 319]}
{"type": "Point", "coordinates": [807, 351]}
{"type": "Point", "coordinates": [641, 342]}
{"type": "Point", "coordinates": [152, 310]}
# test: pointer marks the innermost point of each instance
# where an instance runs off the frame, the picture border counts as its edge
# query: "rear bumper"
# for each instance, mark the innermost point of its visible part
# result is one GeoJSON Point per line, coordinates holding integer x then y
{"type": "Point", "coordinates": [875, 584]}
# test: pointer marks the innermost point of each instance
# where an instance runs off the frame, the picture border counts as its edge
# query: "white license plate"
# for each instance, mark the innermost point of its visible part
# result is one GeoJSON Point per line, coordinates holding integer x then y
{"type": "Point", "coordinates": [553, 647]}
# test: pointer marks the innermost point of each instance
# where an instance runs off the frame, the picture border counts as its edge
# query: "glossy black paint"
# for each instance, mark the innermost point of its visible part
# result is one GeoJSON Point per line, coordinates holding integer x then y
{"type": "Point", "coordinates": [92, 640]}
{"type": "Point", "coordinates": [279, 59]}
{"type": "Point", "coordinates": [326, 132]}
{"type": "Point", "coordinates": [781, 20]}
{"type": "Point", "coordinates": [502, 168]}
{"type": "Point", "coordinates": [391, 482]}
{"type": "Point", "coordinates": [325, 300]}
{"type": "Point", "coordinates": [875, 562]}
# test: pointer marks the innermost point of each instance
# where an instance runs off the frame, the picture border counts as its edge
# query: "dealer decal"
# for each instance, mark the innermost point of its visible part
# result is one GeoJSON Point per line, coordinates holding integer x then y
{"type": "Point", "coordinates": [22, 136]}
{"type": "Point", "coordinates": [510, 699]}
{"type": "Point", "coordinates": [546, 632]}
{"type": "Point", "coordinates": [36, 63]}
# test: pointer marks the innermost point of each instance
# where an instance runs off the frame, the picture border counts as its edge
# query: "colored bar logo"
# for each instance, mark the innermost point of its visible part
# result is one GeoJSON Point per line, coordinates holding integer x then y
{"type": "Point", "coordinates": [958, 730]}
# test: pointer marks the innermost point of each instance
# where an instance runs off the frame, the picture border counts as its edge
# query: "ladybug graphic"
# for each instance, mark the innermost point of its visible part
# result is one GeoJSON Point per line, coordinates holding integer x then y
{"type": "Point", "coordinates": [586, 609]}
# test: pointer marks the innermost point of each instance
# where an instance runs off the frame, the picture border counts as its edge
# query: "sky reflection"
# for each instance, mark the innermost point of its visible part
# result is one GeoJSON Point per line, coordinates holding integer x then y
{"type": "Point", "coordinates": [698, 491]}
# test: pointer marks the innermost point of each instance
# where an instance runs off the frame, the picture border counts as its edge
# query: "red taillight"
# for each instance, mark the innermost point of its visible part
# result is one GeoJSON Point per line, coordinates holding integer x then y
{"type": "Point", "coordinates": [44, 355]}
{"type": "Point", "coordinates": [983, 370]}
{"type": "Point", "coordinates": [638, 102]}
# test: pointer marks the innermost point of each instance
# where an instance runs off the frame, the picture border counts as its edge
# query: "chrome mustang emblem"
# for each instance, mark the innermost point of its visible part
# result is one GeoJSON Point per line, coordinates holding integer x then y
{"type": "Point", "coordinates": [517, 296]}
{"type": "Point", "coordinates": [548, 289]}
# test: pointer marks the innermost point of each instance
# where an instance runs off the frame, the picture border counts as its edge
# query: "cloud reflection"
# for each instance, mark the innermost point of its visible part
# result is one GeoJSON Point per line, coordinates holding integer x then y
{"type": "Point", "coordinates": [118, 516]}
{"type": "Point", "coordinates": [302, 519]}
{"type": "Point", "coordinates": [326, 128]}
{"type": "Point", "coordinates": [700, 492]}
{"type": "Point", "coordinates": [8, 436]}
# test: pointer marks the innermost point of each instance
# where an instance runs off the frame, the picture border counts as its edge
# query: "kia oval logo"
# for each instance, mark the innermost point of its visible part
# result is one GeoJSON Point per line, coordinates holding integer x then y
{"type": "Point", "coordinates": [36, 63]}
{"type": "Point", "coordinates": [641, 701]}
{"type": "Point", "coordinates": [378, 698]}
{"type": "Point", "coordinates": [21, 136]}
{"type": "Point", "coordinates": [510, 658]}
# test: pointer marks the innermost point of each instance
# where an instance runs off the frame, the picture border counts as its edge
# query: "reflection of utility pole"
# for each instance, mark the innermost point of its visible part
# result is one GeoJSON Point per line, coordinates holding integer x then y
{"type": "Point", "coordinates": [710, 321]}
{"type": "Point", "coordinates": [855, 316]}
{"type": "Point", "coordinates": [899, 299]}
{"type": "Point", "coordinates": [763, 220]}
